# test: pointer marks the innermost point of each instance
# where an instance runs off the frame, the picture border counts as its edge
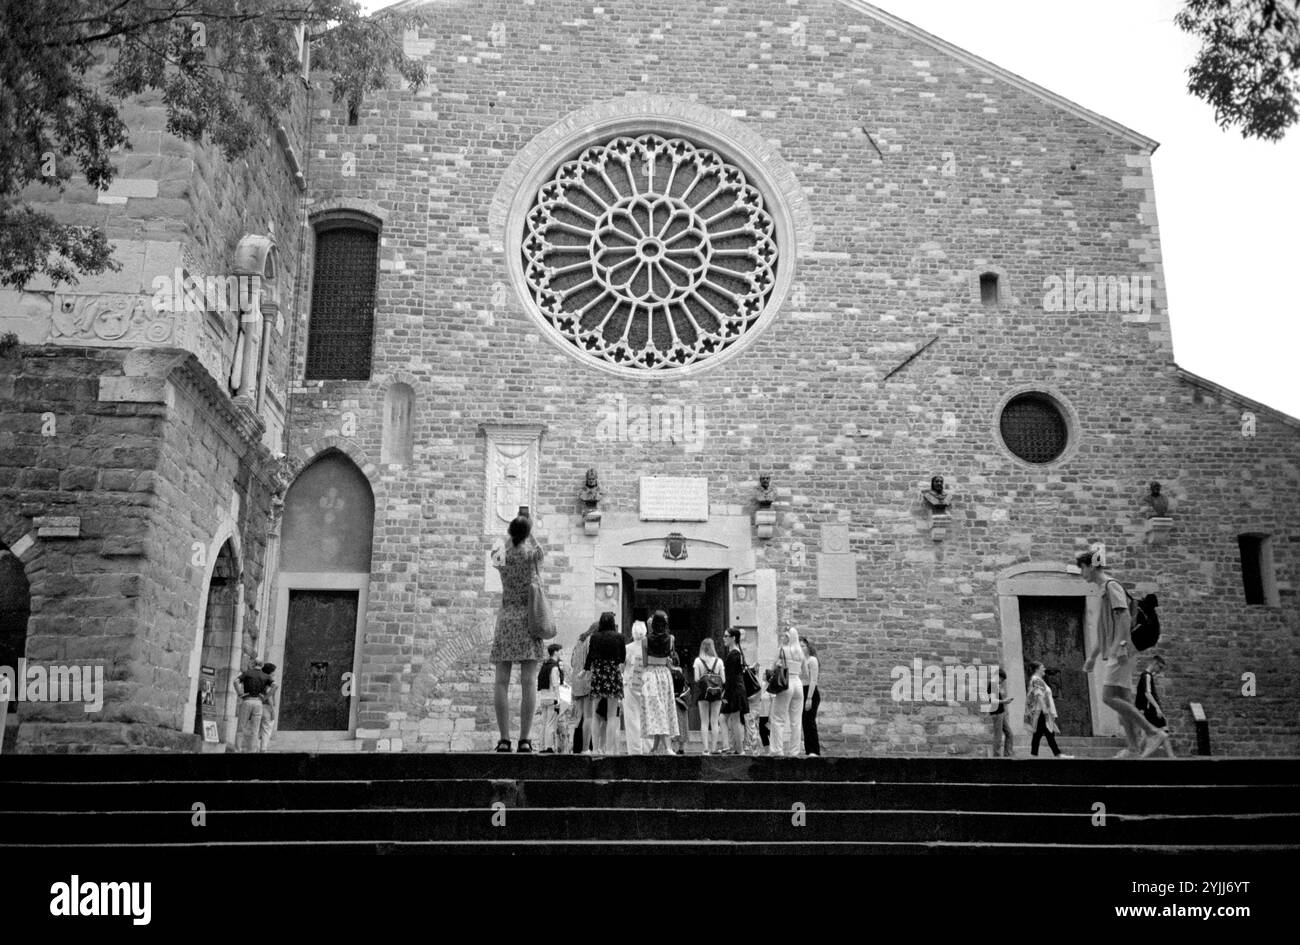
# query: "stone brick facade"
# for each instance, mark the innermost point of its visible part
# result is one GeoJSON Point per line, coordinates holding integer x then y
{"type": "Point", "coordinates": [921, 170]}
{"type": "Point", "coordinates": [141, 472]}
{"type": "Point", "coordinates": [119, 414]}
{"type": "Point", "coordinates": [909, 168]}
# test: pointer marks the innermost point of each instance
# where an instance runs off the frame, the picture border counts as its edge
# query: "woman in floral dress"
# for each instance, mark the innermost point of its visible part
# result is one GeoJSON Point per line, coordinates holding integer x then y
{"type": "Point", "coordinates": [605, 658]}
{"type": "Point", "coordinates": [658, 706]}
{"type": "Point", "coordinates": [517, 560]}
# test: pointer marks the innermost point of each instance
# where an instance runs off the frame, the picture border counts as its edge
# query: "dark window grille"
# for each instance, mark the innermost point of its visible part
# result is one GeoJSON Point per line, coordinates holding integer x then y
{"type": "Point", "coordinates": [342, 329]}
{"type": "Point", "coordinates": [1034, 429]}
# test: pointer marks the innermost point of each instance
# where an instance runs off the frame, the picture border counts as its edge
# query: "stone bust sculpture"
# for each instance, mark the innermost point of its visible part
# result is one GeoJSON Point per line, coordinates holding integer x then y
{"type": "Point", "coordinates": [591, 492]}
{"type": "Point", "coordinates": [1155, 504]}
{"type": "Point", "coordinates": [936, 497]}
{"type": "Point", "coordinates": [765, 495]}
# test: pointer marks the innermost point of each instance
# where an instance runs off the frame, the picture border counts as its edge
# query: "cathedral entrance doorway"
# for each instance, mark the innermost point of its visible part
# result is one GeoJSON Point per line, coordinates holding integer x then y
{"type": "Point", "coordinates": [696, 602]}
{"type": "Point", "coordinates": [1051, 632]}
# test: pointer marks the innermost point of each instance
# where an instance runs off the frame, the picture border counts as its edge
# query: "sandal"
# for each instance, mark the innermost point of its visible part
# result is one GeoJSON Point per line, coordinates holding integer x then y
{"type": "Point", "coordinates": [503, 745]}
{"type": "Point", "coordinates": [525, 747]}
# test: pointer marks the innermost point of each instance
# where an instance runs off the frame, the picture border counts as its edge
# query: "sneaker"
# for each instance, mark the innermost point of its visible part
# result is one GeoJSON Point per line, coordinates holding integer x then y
{"type": "Point", "coordinates": [1065, 756]}
{"type": "Point", "coordinates": [1155, 743]}
{"type": "Point", "coordinates": [547, 751]}
{"type": "Point", "coordinates": [1124, 753]}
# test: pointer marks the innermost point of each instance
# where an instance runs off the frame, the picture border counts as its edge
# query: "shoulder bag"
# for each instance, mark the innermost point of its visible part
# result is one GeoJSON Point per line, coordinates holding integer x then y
{"type": "Point", "coordinates": [779, 678]}
{"type": "Point", "coordinates": [749, 676]}
{"type": "Point", "coordinates": [541, 621]}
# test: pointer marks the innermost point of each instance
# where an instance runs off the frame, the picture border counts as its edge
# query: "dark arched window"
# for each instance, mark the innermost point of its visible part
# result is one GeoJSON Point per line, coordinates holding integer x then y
{"type": "Point", "coordinates": [341, 333]}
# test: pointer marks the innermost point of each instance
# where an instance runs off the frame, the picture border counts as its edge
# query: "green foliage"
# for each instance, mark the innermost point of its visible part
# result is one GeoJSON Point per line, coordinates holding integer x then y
{"type": "Point", "coordinates": [1249, 62]}
{"type": "Point", "coordinates": [225, 70]}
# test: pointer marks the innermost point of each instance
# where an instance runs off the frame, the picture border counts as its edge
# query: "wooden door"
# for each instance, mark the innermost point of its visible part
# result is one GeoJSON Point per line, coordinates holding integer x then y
{"type": "Point", "coordinates": [1051, 631]}
{"type": "Point", "coordinates": [318, 651]}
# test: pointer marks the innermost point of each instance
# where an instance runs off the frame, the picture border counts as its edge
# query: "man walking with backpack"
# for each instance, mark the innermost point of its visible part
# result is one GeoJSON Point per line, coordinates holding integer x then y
{"type": "Point", "coordinates": [1115, 647]}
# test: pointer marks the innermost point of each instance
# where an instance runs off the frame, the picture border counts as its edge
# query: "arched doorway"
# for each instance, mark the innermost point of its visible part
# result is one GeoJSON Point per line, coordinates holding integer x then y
{"type": "Point", "coordinates": [325, 550]}
{"type": "Point", "coordinates": [215, 703]}
{"type": "Point", "coordinates": [15, 608]}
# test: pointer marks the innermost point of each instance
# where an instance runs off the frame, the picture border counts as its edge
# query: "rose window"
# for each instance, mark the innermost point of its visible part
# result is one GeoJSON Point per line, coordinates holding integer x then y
{"type": "Point", "coordinates": [650, 253]}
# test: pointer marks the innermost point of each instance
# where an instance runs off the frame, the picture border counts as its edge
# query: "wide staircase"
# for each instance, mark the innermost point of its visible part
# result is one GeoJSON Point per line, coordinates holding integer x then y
{"type": "Point", "coordinates": [485, 803]}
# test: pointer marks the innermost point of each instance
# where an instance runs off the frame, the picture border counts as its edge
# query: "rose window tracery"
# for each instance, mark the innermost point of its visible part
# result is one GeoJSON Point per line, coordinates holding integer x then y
{"type": "Point", "coordinates": [649, 252]}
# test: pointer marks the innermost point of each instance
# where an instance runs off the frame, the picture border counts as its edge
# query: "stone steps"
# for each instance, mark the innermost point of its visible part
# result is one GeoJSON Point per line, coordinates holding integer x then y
{"type": "Point", "coordinates": [479, 803]}
{"type": "Point", "coordinates": [127, 796]}
{"type": "Point", "coordinates": [1096, 746]}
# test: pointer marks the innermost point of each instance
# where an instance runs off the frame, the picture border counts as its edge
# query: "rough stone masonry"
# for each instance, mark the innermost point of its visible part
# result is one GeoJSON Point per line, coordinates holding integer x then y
{"type": "Point", "coordinates": [920, 201]}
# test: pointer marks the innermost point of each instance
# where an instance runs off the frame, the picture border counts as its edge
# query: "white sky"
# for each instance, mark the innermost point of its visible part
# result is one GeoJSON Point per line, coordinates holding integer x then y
{"type": "Point", "coordinates": [1227, 206]}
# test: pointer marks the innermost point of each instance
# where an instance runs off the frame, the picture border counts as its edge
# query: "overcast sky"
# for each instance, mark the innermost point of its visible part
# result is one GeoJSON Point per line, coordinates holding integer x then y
{"type": "Point", "coordinates": [1228, 208]}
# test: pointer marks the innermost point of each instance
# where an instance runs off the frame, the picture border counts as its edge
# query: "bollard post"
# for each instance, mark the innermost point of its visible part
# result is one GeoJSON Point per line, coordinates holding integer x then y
{"type": "Point", "coordinates": [1202, 728]}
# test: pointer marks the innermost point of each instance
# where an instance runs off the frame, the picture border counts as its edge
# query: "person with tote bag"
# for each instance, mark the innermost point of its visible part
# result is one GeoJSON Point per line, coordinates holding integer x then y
{"type": "Point", "coordinates": [787, 705]}
{"type": "Point", "coordinates": [514, 639]}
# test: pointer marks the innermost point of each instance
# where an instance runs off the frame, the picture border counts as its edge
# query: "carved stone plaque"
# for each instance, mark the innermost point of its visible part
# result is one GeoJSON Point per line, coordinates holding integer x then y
{"type": "Point", "coordinates": [835, 539]}
{"type": "Point", "coordinates": [837, 575]}
{"type": "Point", "coordinates": [674, 499]}
{"type": "Point", "coordinates": [511, 472]}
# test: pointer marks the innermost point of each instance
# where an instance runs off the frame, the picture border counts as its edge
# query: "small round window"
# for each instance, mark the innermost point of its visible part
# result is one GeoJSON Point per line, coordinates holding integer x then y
{"type": "Point", "coordinates": [1034, 428]}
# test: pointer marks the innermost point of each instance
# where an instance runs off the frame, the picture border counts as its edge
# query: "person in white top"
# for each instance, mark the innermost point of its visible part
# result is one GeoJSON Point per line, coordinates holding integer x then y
{"type": "Point", "coordinates": [710, 708]}
{"type": "Point", "coordinates": [633, 674]}
{"type": "Point", "coordinates": [787, 706]}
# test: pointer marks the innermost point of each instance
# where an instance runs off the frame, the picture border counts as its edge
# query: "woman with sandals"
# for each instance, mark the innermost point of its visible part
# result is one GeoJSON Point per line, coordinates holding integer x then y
{"type": "Point", "coordinates": [513, 642]}
{"type": "Point", "coordinates": [606, 654]}
{"type": "Point", "coordinates": [708, 663]}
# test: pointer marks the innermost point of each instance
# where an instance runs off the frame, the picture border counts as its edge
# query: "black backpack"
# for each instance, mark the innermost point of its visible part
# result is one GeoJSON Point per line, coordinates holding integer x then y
{"type": "Point", "coordinates": [710, 683]}
{"type": "Point", "coordinates": [544, 675]}
{"type": "Point", "coordinates": [1144, 622]}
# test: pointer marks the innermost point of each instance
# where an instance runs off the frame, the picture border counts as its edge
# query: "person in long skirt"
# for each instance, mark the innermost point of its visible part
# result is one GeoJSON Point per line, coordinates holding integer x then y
{"type": "Point", "coordinates": [582, 701]}
{"type": "Point", "coordinates": [633, 680]}
{"type": "Point", "coordinates": [659, 707]}
{"type": "Point", "coordinates": [512, 642]}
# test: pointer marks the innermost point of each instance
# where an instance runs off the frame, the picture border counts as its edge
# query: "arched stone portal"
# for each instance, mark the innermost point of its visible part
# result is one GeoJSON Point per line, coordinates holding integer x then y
{"type": "Point", "coordinates": [215, 701]}
{"type": "Point", "coordinates": [324, 580]}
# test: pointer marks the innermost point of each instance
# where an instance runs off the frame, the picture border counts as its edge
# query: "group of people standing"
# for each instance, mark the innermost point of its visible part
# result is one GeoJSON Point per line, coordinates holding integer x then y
{"type": "Point", "coordinates": [642, 682]}
{"type": "Point", "coordinates": [643, 676]}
